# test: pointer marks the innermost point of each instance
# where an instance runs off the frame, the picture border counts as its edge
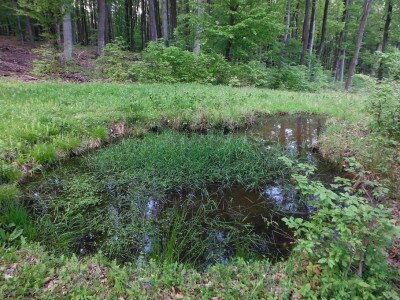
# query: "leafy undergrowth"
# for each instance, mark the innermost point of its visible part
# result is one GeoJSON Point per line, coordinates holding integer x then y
{"type": "Point", "coordinates": [30, 272]}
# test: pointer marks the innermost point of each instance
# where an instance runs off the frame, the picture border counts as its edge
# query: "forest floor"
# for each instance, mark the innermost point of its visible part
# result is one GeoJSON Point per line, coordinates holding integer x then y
{"type": "Point", "coordinates": [16, 61]}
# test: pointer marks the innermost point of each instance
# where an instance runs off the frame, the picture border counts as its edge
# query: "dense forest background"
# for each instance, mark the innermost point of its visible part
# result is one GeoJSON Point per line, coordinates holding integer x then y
{"type": "Point", "coordinates": [335, 37]}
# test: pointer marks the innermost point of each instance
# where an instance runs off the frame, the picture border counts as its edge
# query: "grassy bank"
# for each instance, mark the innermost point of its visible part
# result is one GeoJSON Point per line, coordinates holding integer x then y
{"type": "Point", "coordinates": [42, 121]}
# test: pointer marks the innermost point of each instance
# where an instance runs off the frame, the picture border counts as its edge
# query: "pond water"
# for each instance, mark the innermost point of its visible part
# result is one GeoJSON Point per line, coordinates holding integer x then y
{"type": "Point", "coordinates": [208, 226]}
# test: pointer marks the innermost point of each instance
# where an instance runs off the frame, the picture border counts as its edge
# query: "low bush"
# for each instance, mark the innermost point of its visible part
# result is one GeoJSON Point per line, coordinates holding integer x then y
{"type": "Point", "coordinates": [341, 251]}
{"type": "Point", "coordinates": [384, 106]}
{"type": "Point", "coordinates": [47, 62]}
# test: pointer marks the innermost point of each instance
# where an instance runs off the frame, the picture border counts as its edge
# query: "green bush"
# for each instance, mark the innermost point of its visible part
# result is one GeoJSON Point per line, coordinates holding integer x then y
{"type": "Point", "coordinates": [341, 249]}
{"type": "Point", "coordinates": [294, 78]}
{"type": "Point", "coordinates": [172, 64]}
{"type": "Point", "coordinates": [363, 83]}
{"type": "Point", "coordinates": [8, 173]}
{"type": "Point", "coordinates": [384, 107]}
{"type": "Point", "coordinates": [115, 62]}
{"type": "Point", "coordinates": [48, 61]}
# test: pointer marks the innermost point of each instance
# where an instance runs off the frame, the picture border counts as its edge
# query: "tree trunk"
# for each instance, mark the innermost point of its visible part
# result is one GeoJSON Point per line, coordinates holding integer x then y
{"type": "Point", "coordinates": [229, 45]}
{"type": "Point", "coordinates": [286, 38]}
{"type": "Point", "coordinates": [199, 28]}
{"type": "Point", "coordinates": [128, 4]}
{"type": "Point", "coordinates": [101, 31]}
{"type": "Point", "coordinates": [153, 21]}
{"type": "Point", "coordinates": [311, 35]}
{"type": "Point", "coordinates": [341, 52]}
{"type": "Point", "coordinates": [31, 36]}
{"type": "Point", "coordinates": [360, 34]}
{"type": "Point", "coordinates": [19, 27]}
{"type": "Point", "coordinates": [58, 35]}
{"type": "Point", "coordinates": [385, 35]}
{"type": "Point", "coordinates": [165, 22]}
{"type": "Point", "coordinates": [323, 30]}
{"type": "Point", "coordinates": [173, 15]}
{"type": "Point", "coordinates": [67, 34]}
{"type": "Point", "coordinates": [143, 25]}
{"type": "Point", "coordinates": [306, 31]}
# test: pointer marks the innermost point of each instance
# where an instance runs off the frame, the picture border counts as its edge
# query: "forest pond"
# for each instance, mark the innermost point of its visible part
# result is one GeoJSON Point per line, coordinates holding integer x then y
{"type": "Point", "coordinates": [199, 200]}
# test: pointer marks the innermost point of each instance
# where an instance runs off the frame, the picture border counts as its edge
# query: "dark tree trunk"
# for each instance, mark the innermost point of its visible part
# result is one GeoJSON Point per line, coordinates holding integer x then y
{"type": "Point", "coordinates": [29, 29]}
{"type": "Point", "coordinates": [19, 27]}
{"type": "Point", "coordinates": [341, 52]}
{"type": "Point", "coordinates": [101, 31]}
{"type": "Point", "coordinates": [311, 35]}
{"type": "Point", "coordinates": [229, 44]}
{"type": "Point", "coordinates": [306, 31]}
{"type": "Point", "coordinates": [286, 38]}
{"type": "Point", "coordinates": [173, 15]}
{"type": "Point", "coordinates": [153, 21]}
{"type": "Point", "coordinates": [143, 25]}
{"type": "Point", "coordinates": [109, 24]}
{"type": "Point", "coordinates": [165, 22]}
{"type": "Point", "coordinates": [385, 35]}
{"type": "Point", "coordinates": [323, 30]}
{"type": "Point", "coordinates": [360, 34]}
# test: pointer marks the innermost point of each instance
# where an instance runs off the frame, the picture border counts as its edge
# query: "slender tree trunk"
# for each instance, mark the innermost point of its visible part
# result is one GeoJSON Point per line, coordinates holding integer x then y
{"type": "Point", "coordinates": [165, 22]}
{"type": "Point", "coordinates": [67, 34]}
{"type": "Point", "coordinates": [312, 32]}
{"type": "Point", "coordinates": [385, 35]}
{"type": "Point", "coordinates": [323, 30]}
{"type": "Point", "coordinates": [31, 36]}
{"type": "Point", "coordinates": [109, 24]}
{"type": "Point", "coordinates": [229, 45]}
{"type": "Point", "coordinates": [143, 25]}
{"type": "Point", "coordinates": [101, 31]}
{"type": "Point", "coordinates": [19, 27]}
{"type": "Point", "coordinates": [153, 21]}
{"type": "Point", "coordinates": [58, 35]}
{"type": "Point", "coordinates": [286, 38]}
{"type": "Point", "coordinates": [199, 28]}
{"type": "Point", "coordinates": [306, 31]}
{"type": "Point", "coordinates": [360, 34]}
{"type": "Point", "coordinates": [173, 15]}
{"type": "Point", "coordinates": [341, 52]}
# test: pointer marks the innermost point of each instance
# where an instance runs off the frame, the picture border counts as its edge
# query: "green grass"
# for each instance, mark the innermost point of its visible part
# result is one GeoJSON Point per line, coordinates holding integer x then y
{"type": "Point", "coordinates": [30, 272]}
{"type": "Point", "coordinates": [39, 121]}
{"type": "Point", "coordinates": [78, 199]}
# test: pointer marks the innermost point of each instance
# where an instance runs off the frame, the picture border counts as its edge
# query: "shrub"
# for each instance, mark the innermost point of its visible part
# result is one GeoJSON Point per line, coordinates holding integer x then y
{"type": "Point", "coordinates": [363, 83]}
{"type": "Point", "coordinates": [341, 248]}
{"type": "Point", "coordinates": [384, 107]}
{"type": "Point", "coordinates": [116, 60]}
{"type": "Point", "coordinates": [294, 78]}
{"type": "Point", "coordinates": [48, 61]}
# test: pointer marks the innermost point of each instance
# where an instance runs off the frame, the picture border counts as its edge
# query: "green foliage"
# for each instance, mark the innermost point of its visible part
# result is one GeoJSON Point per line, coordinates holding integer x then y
{"type": "Point", "coordinates": [115, 62]}
{"type": "Point", "coordinates": [8, 173]}
{"type": "Point", "coordinates": [171, 64]}
{"type": "Point", "coordinates": [384, 107]}
{"type": "Point", "coordinates": [48, 61]}
{"type": "Point", "coordinates": [390, 62]}
{"type": "Point", "coordinates": [43, 153]}
{"type": "Point", "coordinates": [363, 83]}
{"type": "Point", "coordinates": [32, 268]}
{"type": "Point", "coordinates": [290, 77]}
{"type": "Point", "coordinates": [341, 248]}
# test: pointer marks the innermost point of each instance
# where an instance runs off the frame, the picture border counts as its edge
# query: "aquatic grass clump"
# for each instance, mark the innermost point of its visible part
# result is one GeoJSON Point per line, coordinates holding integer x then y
{"type": "Point", "coordinates": [173, 161]}
{"type": "Point", "coordinates": [137, 198]}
